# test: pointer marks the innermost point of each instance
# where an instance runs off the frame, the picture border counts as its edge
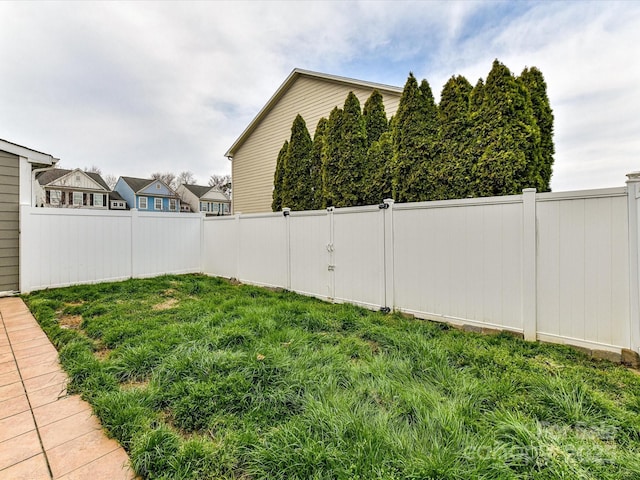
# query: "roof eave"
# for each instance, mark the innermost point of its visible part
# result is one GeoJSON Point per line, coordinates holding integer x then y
{"type": "Point", "coordinates": [33, 156]}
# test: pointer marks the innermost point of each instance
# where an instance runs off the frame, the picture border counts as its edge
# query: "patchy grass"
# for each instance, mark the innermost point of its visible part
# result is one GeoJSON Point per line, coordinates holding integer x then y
{"type": "Point", "coordinates": [234, 381]}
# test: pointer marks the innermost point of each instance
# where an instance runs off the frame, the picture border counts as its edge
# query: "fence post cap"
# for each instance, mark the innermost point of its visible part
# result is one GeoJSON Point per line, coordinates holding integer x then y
{"type": "Point", "coordinates": [633, 177]}
{"type": "Point", "coordinates": [389, 201]}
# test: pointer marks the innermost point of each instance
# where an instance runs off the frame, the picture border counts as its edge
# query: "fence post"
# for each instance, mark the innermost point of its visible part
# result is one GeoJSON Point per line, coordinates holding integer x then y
{"type": "Point", "coordinates": [286, 212]}
{"type": "Point", "coordinates": [389, 287]}
{"type": "Point", "coordinates": [331, 287]}
{"type": "Point", "coordinates": [633, 193]}
{"type": "Point", "coordinates": [202, 238]}
{"type": "Point", "coordinates": [237, 222]}
{"type": "Point", "coordinates": [529, 261]}
{"type": "Point", "coordinates": [134, 233]}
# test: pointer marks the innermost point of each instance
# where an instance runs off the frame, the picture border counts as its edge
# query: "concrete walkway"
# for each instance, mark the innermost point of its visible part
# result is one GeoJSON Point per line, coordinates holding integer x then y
{"type": "Point", "coordinates": [45, 433]}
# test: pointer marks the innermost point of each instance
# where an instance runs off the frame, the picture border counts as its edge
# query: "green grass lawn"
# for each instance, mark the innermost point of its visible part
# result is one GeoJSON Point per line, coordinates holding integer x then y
{"type": "Point", "coordinates": [198, 378]}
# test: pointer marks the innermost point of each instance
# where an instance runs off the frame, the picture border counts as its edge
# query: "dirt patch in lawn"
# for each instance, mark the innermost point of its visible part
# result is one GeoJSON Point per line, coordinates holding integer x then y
{"type": "Point", "coordinates": [70, 322]}
{"type": "Point", "coordinates": [79, 303]}
{"type": "Point", "coordinates": [135, 384]}
{"type": "Point", "coordinates": [166, 305]}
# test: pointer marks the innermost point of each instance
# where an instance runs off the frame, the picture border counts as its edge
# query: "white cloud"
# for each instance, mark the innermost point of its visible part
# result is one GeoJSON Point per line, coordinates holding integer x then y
{"type": "Point", "coordinates": [141, 87]}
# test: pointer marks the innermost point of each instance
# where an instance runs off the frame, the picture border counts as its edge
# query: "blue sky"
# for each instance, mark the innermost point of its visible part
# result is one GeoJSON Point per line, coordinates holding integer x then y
{"type": "Point", "coordinates": [135, 88]}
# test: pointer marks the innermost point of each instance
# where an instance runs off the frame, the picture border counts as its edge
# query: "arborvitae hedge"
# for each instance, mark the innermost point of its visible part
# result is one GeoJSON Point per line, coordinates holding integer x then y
{"type": "Point", "coordinates": [492, 139]}
{"type": "Point", "coordinates": [534, 82]}
{"type": "Point", "coordinates": [375, 117]}
{"type": "Point", "coordinates": [316, 163]}
{"type": "Point", "coordinates": [276, 204]}
{"type": "Point", "coordinates": [296, 183]}
{"type": "Point", "coordinates": [331, 158]}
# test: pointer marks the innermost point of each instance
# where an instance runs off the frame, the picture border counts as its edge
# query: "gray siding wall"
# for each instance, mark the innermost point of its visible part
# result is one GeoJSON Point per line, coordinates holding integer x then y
{"type": "Point", "coordinates": [9, 218]}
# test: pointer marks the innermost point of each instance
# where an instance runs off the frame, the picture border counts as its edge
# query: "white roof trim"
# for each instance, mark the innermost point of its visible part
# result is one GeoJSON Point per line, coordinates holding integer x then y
{"type": "Point", "coordinates": [32, 156]}
{"type": "Point", "coordinates": [297, 72]}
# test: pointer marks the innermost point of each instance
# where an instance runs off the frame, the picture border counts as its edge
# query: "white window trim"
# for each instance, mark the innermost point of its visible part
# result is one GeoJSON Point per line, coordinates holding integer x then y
{"type": "Point", "coordinates": [77, 195]}
{"type": "Point", "coordinates": [173, 204]}
{"type": "Point", "coordinates": [155, 203]}
{"type": "Point", "coordinates": [95, 196]}
{"type": "Point", "coordinates": [140, 201]}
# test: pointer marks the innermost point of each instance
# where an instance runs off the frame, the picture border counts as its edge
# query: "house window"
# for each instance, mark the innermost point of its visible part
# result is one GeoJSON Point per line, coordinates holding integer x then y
{"type": "Point", "coordinates": [158, 204]}
{"type": "Point", "coordinates": [158, 186]}
{"type": "Point", "coordinates": [77, 199]}
{"type": "Point", "coordinates": [97, 200]}
{"type": "Point", "coordinates": [54, 197]}
{"type": "Point", "coordinates": [142, 203]}
{"type": "Point", "coordinates": [172, 204]}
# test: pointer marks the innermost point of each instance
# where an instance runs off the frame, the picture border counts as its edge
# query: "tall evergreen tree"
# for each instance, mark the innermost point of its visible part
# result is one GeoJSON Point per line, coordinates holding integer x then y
{"type": "Point", "coordinates": [296, 191]}
{"type": "Point", "coordinates": [278, 178]}
{"type": "Point", "coordinates": [375, 117]}
{"type": "Point", "coordinates": [353, 151]}
{"type": "Point", "coordinates": [453, 172]}
{"type": "Point", "coordinates": [506, 135]}
{"type": "Point", "coordinates": [534, 82]}
{"type": "Point", "coordinates": [415, 127]}
{"type": "Point", "coordinates": [425, 177]}
{"type": "Point", "coordinates": [407, 139]}
{"type": "Point", "coordinates": [331, 158]}
{"type": "Point", "coordinates": [378, 179]}
{"type": "Point", "coordinates": [316, 165]}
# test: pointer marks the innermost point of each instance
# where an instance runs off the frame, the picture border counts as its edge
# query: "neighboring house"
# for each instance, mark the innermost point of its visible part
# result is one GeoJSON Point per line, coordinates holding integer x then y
{"type": "Point", "coordinates": [310, 94]}
{"type": "Point", "coordinates": [147, 194]}
{"type": "Point", "coordinates": [18, 164]}
{"type": "Point", "coordinates": [204, 199]}
{"type": "Point", "coordinates": [116, 202]}
{"type": "Point", "coordinates": [71, 189]}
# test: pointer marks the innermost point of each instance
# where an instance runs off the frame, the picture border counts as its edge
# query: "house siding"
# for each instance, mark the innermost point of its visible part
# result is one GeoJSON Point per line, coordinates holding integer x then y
{"type": "Point", "coordinates": [254, 162]}
{"type": "Point", "coordinates": [126, 193]}
{"type": "Point", "coordinates": [9, 222]}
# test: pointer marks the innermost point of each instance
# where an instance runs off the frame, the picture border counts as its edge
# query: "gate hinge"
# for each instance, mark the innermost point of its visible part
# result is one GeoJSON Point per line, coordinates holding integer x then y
{"type": "Point", "coordinates": [383, 206]}
{"type": "Point", "coordinates": [385, 309]}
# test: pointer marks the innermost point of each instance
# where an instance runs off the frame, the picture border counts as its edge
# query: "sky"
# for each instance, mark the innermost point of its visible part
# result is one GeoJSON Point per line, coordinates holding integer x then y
{"type": "Point", "coordinates": [141, 87]}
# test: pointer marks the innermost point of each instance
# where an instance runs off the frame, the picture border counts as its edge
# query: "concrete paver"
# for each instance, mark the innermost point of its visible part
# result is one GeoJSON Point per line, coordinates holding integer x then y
{"type": "Point", "coordinates": [44, 433]}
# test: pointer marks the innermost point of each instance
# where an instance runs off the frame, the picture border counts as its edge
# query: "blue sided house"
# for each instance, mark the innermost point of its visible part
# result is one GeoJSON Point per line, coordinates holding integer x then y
{"type": "Point", "coordinates": [148, 195]}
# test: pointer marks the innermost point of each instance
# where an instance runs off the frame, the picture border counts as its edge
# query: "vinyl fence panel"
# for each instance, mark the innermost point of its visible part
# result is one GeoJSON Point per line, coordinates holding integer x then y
{"type": "Point", "coordinates": [166, 243]}
{"type": "Point", "coordinates": [310, 240]}
{"type": "Point", "coordinates": [73, 246]}
{"type": "Point", "coordinates": [460, 261]}
{"type": "Point", "coordinates": [67, 247]}
{"type": "Point", "coordinates": [220, 249]}
{"type": "Point", "coordinates": [583, 268]}
{"type": "Point", "coordinates": [263, 250]}
{"type": "Point", "coordinates": [358, 244]}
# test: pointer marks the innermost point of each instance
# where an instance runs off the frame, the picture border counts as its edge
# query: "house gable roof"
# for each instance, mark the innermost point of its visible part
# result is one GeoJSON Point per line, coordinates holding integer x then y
{"type": "Point", "coordinates": [115, 196]}
{"type": "Point", "coordinates": [33, 156]}
{"type": "Point", "coordinates": [50, 177]}
{"type": "Point", "coordinates": [213, 193]}
{"type": "Point", "coordinates": [141, 186]}
{"type": "Point", "coordinates": [295, 74]}
{"type": "Point", "coordinates": [136, 184]}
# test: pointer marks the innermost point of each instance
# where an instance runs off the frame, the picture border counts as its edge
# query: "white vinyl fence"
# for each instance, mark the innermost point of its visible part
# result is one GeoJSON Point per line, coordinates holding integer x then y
{"type": "Point", "coordinates": [557, 267]}
{"type": "Point", "coordinates": [61, 247]}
